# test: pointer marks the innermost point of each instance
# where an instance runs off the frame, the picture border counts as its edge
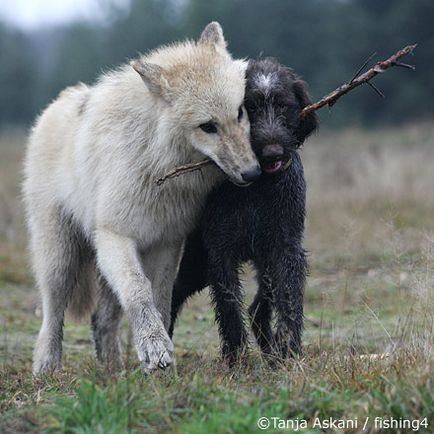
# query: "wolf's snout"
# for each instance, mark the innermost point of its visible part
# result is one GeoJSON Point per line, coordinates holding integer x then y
{"type": "Point", "coordinates": [251, 174]}
{"type": "Point", "coordinates": [272, 151]}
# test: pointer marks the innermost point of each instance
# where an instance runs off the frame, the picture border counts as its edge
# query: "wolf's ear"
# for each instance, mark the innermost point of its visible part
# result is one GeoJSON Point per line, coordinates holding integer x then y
{"type": "Point", "coordinates": [213, 34]}
{"type": "Point", "coordinates": [153, 76]}
{"type": "Point", "coordinates": [310, 123]}
{"type": "Point", "coordinates": [241, 65]}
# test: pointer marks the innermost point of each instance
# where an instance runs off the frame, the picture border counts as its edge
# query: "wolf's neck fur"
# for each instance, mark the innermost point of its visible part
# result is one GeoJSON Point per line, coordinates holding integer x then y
{"type": "Point", "coordinates": [131, 141]}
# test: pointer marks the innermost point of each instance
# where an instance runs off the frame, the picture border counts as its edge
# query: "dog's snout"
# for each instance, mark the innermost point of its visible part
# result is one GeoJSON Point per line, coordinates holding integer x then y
{"type": "Point", "coordinates": [272, 151]}
{"type": "Point", "coordinates": [251, 174]}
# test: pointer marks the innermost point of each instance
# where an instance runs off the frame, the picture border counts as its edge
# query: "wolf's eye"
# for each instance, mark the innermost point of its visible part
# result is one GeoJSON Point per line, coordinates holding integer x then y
{"type": "Point", "coordinates": [240, 113]}
{"type": "Point", "coordinates": [209, 127]}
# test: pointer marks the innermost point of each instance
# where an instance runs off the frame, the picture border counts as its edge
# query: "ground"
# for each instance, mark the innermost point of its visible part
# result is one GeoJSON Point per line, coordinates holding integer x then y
{"type": "Point", "coordinates": [368, 343]}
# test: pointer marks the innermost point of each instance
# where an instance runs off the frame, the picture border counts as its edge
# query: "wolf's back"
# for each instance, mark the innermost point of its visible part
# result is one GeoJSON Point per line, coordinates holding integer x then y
{"type": "Point", "coordinates": [55, 131]}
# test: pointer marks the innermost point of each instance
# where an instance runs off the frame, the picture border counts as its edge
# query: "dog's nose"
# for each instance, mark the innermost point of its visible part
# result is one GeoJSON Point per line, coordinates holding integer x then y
{"type": "Point", "coordinates": [272, 151]}
{"type": "Point", "coordinates": [251, 174]}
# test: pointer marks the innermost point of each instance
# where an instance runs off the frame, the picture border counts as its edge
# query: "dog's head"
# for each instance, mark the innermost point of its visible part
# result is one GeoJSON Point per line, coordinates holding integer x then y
{"type": "Point", "coordinates": [275, 97]}
{"type": "Point", "coordinates": [203, 89]}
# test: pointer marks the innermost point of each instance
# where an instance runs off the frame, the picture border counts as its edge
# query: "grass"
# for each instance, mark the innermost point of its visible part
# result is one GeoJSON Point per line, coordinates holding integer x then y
{"type": "Point", "coordinates": [368, 343]}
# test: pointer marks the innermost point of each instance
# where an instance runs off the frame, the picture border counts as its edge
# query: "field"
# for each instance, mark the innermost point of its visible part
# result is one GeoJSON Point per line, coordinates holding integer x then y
{"type": "Point", "coordinates": [368, 343]}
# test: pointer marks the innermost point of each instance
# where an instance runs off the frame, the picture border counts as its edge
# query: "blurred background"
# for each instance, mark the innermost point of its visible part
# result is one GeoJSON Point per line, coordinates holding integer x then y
{"type": "Point", "coordinates": [46, 45]}
{"type": "Point", "coordinates": [369, 168]}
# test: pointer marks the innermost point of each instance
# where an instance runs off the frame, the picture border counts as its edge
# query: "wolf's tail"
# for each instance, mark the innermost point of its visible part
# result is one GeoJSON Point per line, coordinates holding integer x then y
{"type": "Point", "coordinates": [84, 296]}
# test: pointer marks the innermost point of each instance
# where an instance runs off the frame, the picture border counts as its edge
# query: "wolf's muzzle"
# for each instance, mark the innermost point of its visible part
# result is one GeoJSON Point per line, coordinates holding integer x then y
{"type": "Point", "coordinates": [251, 174]}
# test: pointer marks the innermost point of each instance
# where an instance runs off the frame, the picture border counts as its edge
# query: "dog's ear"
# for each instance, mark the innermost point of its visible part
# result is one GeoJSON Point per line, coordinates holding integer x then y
{"type": "Point", "coordinates": [213, 35]}
{"type": "Point", "coordinates": [310, 123]}
{"type": "Point", "coordinates": [250, 66]}
{"type": "Point", "coordinates": [153, 76]}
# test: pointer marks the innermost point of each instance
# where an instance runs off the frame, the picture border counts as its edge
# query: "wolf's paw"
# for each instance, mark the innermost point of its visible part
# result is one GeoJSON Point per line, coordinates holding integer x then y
{"type": "Point", "coordinates": [154, 347]}
{"type": "Point", "coordinates": [46, 364]}
{"type": "Point", "coordinates": [47, 356]}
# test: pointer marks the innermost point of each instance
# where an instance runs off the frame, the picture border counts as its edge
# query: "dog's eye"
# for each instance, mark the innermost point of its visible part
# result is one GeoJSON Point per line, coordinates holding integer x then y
{"type": "Point", "coordinates": [251, 108]}
{"type": "Point", "coordinates": [209, 127]}
{"type": "Point", "coordinates": [240, 113]}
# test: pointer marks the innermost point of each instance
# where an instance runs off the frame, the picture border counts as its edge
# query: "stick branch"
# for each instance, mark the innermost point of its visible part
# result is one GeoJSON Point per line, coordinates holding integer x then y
{"type": "Point", "coordinates": [191, 167]}
{"type": "Point", "coordinates": [328, 100]}
{"type": "Point", "coordinates": [379, 68]}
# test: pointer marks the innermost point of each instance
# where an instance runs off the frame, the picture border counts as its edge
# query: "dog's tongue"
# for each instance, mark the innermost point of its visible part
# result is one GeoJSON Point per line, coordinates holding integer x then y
{"type": "Point", "coordinates": [272, 167]}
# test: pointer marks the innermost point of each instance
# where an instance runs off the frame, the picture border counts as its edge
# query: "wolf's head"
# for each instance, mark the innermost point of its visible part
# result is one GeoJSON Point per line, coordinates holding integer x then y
{"type": "Point", "coordinates": [204, 88]}
{"type": "Point", "coordinates": [275, 96]}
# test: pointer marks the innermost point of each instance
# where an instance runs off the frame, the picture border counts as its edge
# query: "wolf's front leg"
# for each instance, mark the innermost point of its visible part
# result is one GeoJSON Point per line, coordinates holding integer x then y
{"type": "Point", "coordinates": [289, 275]}
{"type": "Point", "coordinates": [161, 264]}
{"type": "Point", "coordinates": [119, 261]}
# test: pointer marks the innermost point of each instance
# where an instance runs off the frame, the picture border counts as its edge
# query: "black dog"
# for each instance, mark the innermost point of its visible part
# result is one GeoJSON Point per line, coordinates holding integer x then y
{"type": "Point", "coordinates": [263, 223]}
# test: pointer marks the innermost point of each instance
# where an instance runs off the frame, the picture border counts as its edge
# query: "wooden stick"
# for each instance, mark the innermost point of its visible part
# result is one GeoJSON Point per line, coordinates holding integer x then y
{"type": "Point", "coordinates": [328, 100]}
{"type": "Point", "coordinates": [191, 167]}
{"type": "Point", "coordinates": [379, 68]}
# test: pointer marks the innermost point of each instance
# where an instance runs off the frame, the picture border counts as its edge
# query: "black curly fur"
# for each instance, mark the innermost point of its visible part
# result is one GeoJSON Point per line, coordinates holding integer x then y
{"type": "Point", "coordinates": [263, 223]}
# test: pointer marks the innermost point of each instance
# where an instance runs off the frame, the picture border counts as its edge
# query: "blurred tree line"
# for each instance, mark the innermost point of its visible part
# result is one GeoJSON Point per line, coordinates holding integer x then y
{"type": "Point", "coordinates": [323, 40]}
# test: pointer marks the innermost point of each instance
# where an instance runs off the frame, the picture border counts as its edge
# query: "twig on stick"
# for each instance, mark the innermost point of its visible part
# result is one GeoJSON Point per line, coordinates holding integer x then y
{"type": "Point", "coordinates": [360, 70]}
{"type": "Point", "coordinates": [375, 88]}
{"type": "Point", "coordinates": [328, 100]}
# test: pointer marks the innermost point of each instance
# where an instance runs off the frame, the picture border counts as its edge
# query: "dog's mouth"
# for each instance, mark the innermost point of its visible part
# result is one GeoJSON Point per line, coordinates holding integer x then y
{"type": "Point", "coordinates": [275, 166]}
{"type": "Point", "coordinates": [273, 158]}
{"type": "Point", "coordinates": [272, 166]}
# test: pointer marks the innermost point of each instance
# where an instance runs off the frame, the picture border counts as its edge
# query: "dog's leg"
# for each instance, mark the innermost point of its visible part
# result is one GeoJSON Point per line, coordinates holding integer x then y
{"type": "Point", "coordinates": [225, 290]}
{"type": "Point", "coordinates": [289, 275]}
{"type": "Point", "coordinates": [260, 311]}
{"type": "Point", "coordinates": [57, 258]}
{"type": "Point", "coordinates": [191, 276]}
{"type": "Point", "coordinates": [120, 263]}
{"type": "Point", "coordinates": [105, 324]}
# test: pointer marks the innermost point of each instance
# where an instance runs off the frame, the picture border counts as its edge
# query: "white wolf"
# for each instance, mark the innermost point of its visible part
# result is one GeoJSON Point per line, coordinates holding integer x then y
{"type": "Point", "coordinates": [90, 193]}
